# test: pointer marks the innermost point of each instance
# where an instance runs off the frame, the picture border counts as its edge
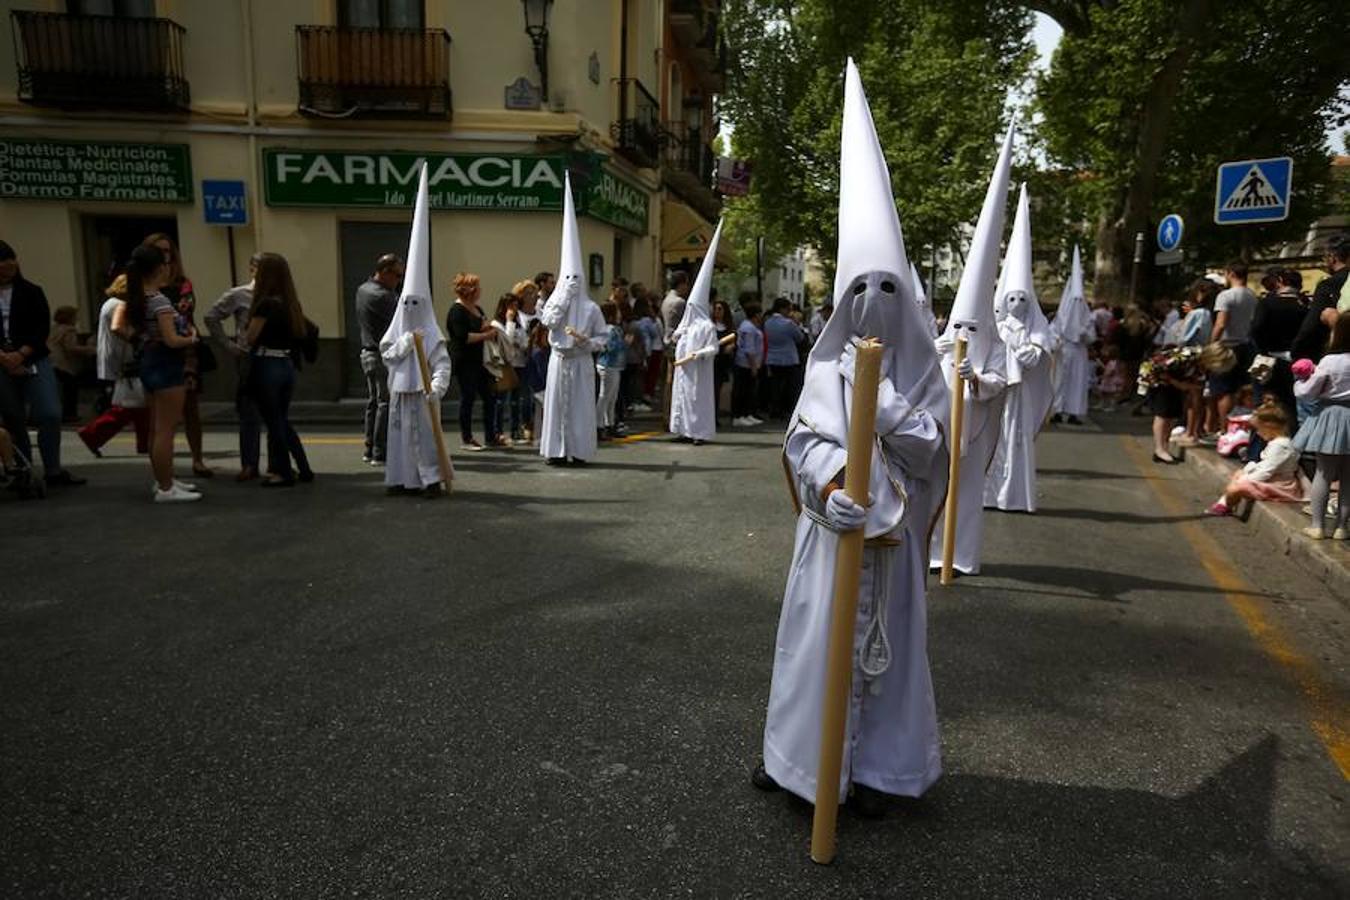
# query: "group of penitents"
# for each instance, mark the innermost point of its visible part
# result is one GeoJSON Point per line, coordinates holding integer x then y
{"type": "Point", "coordinates": [857, 711]}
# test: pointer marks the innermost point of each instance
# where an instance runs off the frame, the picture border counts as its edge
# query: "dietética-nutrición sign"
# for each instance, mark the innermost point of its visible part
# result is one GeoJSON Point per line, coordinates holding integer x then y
{"type": "Point", "coordinates": [83, 170]}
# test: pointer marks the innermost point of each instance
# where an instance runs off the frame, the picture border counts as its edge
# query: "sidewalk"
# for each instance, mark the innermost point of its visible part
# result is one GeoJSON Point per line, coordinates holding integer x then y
{"type": "Point", "coordinates": [1280, 524]}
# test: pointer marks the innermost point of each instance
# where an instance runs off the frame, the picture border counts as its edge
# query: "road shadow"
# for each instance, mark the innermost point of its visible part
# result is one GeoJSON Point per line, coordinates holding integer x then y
{"type": "Point", "coordinates": [1084, 474]}
{"type": "Point", "coordinates": [1098, 584]}
{"type": "Point", "coordinates": [1110, 517]}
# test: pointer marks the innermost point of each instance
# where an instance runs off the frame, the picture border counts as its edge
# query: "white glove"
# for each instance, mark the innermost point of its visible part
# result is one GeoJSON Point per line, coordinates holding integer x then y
{"type": "Point", "coordinates": [944, 344]}
{"type": "Point", "coordinates": [1026, 354]}
{"type": "Point", "coordinates": [892, 407]}
{"type": "Point", "coordinates": [848, 362]}
{"type": "Point", "coordinates": [843, 513]}
{"type": "Point", "coordinates": [966, 370]}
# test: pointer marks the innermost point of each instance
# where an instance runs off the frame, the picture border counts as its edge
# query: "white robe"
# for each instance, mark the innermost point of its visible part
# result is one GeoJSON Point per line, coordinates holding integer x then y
{"type": "Point", "coordinates": [979, 439]}
{"type": "Point", "coordinates": [411, 460]}
{"type": "Point", "coordinates": [569, 396]}
{"type": "Point", "coordinates": [693, 403]}
{"type": "Point", "coordinates": [1011, 482]}
{"type": "Point", "coordinates": [1073, 377]}
{"type": "Point", "coordinates": [892, 739]}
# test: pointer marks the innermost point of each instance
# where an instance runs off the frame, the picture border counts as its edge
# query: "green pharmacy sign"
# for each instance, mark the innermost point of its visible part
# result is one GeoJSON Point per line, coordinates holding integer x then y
{"type": "Point", "coordinates": [454, 180]}
{"type": "Point", "coordinates": [620, 203]}
{"type": "Point", "coordinates": [86, 170]}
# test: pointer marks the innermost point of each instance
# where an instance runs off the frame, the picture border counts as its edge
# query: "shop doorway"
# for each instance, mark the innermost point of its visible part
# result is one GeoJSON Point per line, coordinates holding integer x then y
{"type": "Point", "coordinates": [108, 242]}
{"type": "Point", "coordinates": [361, 244]}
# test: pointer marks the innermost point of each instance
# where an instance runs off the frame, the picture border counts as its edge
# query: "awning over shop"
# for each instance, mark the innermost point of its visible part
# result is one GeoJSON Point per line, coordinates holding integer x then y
{"type": "Point", "coordinates": [685, 235]}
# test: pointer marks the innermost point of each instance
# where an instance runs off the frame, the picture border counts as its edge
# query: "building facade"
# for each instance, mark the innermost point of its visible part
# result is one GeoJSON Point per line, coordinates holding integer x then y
{"type": "Point", "coordinates": [298, 127]}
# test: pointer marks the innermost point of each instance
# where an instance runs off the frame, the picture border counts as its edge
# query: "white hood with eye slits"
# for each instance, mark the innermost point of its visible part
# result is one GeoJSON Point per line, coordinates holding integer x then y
{"type": "Point", "coordinates": [415, 311]}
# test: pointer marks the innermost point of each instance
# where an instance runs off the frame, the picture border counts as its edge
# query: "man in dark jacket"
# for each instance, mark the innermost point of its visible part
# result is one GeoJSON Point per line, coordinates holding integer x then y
{"type": "Point", "coordinates": [375, 305]}
{"type": "Point", "coordinates": [27, 382]}
{"type": "Point", "coordinates": [1315, 332]}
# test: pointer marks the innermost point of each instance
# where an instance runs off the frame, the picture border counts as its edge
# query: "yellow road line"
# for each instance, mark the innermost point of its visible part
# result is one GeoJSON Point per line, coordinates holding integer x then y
{"type": "Point", "coordinates": [640, 436]}
{"type": "Point", "coordinates": [1329, 710]}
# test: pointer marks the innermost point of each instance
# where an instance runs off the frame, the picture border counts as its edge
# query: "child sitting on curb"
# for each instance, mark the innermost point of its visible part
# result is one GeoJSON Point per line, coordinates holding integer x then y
{"type": "Point", "coordinates": [1275, 476]}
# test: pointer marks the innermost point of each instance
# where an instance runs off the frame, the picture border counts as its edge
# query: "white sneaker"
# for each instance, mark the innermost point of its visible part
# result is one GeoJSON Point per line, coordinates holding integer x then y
{"type": "Point", "coordinates": [756, 420]}
{"type": "Point", "coordinates": [181, 485]}
{"type": "Point", "coordinates": [175, 494]}
{"type": "Point", "coordinates": [1180, 429]}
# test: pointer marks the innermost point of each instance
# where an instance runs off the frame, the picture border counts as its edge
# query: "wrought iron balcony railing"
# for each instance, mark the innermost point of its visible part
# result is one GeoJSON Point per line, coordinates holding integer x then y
{"type": "Point", "coordinates": [637, 130]}
{"type": "Point", "coordinates": [102, 62]}
{"type": "Point", "coordinates": [394, 73]}
{"type": "Point", "coordinates": [690, 167]}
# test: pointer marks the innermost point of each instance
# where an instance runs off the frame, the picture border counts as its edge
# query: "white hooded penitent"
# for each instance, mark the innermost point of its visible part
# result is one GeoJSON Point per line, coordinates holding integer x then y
{"type": "Point", "coordinates": [693, 398]}
{"type": "Point", "coordinates": [922, 300]}
{"type": "Point", "coordinates": [576, 329]}
{"type": "Point", "coordinates": [411, 457]}
{"type": "Point", "coordinates": [893, 742]}
{"type": "Point", "coordinates": [972, 319]}
{"type": "Point", "coordinates": [1074, 332]}
{"type": "Point", "coordinates": [1011, 480]}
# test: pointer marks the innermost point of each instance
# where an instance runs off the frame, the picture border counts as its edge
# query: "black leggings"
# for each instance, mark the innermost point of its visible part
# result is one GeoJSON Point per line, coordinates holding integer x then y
{"type": "Point", "coordinates": [475, 382]}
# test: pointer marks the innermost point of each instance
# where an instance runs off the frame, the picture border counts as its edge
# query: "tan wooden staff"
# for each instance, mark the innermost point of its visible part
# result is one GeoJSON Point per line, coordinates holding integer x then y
{"type": "Point", "coordinates": [434, 408]}
{"type": "Point", "coordinates": [954, 474]}
{"type": "Point", "coordinates": [862, 427]}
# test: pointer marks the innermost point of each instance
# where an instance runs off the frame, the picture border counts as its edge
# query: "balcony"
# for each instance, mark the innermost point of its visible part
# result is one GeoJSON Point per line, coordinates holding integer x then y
{"type": "Point", "coordinates": [100, 62]}
{"type": "Point", "coordinates": [690, 168]}
{"type": "Point", "coordinates": [694, 26]}
{"type": "Point", "coordinates": [637, 130]}
{"type": "Point", "coordinates": [373, 72]}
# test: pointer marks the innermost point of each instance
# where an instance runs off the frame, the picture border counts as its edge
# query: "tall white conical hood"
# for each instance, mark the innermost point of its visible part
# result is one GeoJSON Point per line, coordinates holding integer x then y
{"type": "Point", "coordinates": [1073, 316]}
{"type": "Point", "coordinates": [873, 287]}
{"type": "Point", "coordinates": [698, 308]}
{"type": "Point", "coordinates": [974, 307]}
{"type": "Point", "coordinates": [1015, 280]}
{"type": "Point", "coordinates": [571, 275]}
{"type": "Point", "coordinates": [415, 311]}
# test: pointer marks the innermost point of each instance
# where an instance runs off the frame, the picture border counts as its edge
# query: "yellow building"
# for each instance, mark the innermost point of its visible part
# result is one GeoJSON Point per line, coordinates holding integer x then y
{"type": "Point", "coordinates": [119, 118]}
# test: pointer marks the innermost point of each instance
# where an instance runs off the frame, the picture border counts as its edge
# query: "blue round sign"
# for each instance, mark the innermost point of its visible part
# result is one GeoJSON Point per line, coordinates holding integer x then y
{"type": "Point", "coordinates": [1170, 230]}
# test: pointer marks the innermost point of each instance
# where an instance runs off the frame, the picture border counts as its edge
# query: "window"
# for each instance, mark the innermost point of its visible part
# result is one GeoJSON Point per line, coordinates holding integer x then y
{"type": "Point", "coordinates": [381, 14]}
{"type": "Point", "coordinates": [130, 9]}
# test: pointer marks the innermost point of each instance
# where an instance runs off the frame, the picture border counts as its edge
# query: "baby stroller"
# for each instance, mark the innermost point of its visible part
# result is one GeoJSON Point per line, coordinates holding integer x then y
{"type": "Point", "coordinates": [21, 479]}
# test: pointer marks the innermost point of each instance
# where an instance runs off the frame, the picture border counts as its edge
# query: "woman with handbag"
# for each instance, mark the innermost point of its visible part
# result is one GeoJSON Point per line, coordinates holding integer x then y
{"type": "Point", "coordinates": [1279, 315]}
{"type": "Point", "coordinates": [467, 330]}
{"type": "Point", "coordinates": [199, 358]}
{"type": "Point", "coordinates": [509, 354]}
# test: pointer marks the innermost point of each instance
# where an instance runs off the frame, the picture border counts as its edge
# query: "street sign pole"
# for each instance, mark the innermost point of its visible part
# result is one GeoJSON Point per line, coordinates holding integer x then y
{"type": "Point", "coordinates": [229, 239]}
{"type": "Point", "coordinates": [1134, 270]}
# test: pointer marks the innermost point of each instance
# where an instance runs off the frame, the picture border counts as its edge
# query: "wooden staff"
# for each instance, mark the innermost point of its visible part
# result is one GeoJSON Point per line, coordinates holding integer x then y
{"type": "Point", "coordinates": [862, 427]}
{"type": "Point", "coordinates": [954, 474]}
{"type": "Point", "coordinates": [434, 409]}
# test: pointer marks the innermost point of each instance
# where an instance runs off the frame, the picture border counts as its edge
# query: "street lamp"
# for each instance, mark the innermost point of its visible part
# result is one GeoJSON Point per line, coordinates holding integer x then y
{"type": "Point", "coordinates": [536, 26]}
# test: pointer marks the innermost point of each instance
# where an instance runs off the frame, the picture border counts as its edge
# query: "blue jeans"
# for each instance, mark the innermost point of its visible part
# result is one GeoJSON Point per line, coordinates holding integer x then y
{"type": "Point", "coordinates": [272, 381]}
{"type": "Point", "coordinates": [250, 422]}
{"type": "Point", "coordinates": [33, 397]}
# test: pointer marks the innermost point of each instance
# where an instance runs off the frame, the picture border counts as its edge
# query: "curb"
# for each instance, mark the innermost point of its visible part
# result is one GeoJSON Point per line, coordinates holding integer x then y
{"type": "Point", "coordinates": [1280, 524]}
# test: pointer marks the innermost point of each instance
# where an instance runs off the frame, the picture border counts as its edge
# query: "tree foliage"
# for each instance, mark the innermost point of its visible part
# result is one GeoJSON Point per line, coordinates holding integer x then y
{"type": "Point", "coordinates": [937, 76]}
{"type": "Point", "coordinates": [1144, 98]}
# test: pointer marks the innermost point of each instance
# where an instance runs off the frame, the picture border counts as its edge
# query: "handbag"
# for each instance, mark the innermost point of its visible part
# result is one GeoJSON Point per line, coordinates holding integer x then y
{"type": "Point", "coordinates": [503, 374]}
{"type": "Point", "coordinates": [1262, 368]}
{"type": "Point", "coordinates": [507, 381]}
{"type": "Point", "coordinates": [1218, 358]}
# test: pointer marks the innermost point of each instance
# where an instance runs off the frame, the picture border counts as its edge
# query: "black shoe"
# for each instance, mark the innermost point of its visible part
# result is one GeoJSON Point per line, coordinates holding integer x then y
{"type": "Point", "coordinates": [1074, 420]}
{"type": "Point", "coordinates": [577, 463]}
{"type": "Point", "coordinates": [63, 478]}
{"type": "Point", "coordinates": [869, 803]}
{"type": "Point", "coordinates": [1166, 462]}
{"type": "Point", "coordinates": [763, 781]}
{"type": "Point", "coordinates": [306, 476]}
{"type": "Point", "coordinates": [433, 492]}
{"type": "Point", "coordinates": [278, 482]}
{"type": "Point", "coordinates": [699, 442]}
{"type": "Point", "coordinates": [394, 490]}
{"type": "Point", "coordinates": [555, 461]}
{"type": "Point", "coordinates": [1056, 418]}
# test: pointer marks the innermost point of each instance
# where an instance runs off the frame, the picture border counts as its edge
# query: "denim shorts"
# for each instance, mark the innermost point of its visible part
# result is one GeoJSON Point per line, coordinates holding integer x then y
{"type": "Point", "coordinates": [161, 368]}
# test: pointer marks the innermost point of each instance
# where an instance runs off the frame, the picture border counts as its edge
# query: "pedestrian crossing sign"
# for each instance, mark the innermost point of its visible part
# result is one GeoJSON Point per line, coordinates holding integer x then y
{"type": "Point", "coordinates": [1253, 190]}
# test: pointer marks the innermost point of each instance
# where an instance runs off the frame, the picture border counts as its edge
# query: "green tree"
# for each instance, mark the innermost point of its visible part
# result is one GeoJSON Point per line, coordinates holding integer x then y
{"type": "Point", "coordinates": [937, 76]}
{"type": "Point", "coordinates": [1144, 98]}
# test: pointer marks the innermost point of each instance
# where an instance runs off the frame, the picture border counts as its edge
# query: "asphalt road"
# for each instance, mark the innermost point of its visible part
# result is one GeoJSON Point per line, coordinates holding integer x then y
{"type": "Point", "coordinates": [553, 684]}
